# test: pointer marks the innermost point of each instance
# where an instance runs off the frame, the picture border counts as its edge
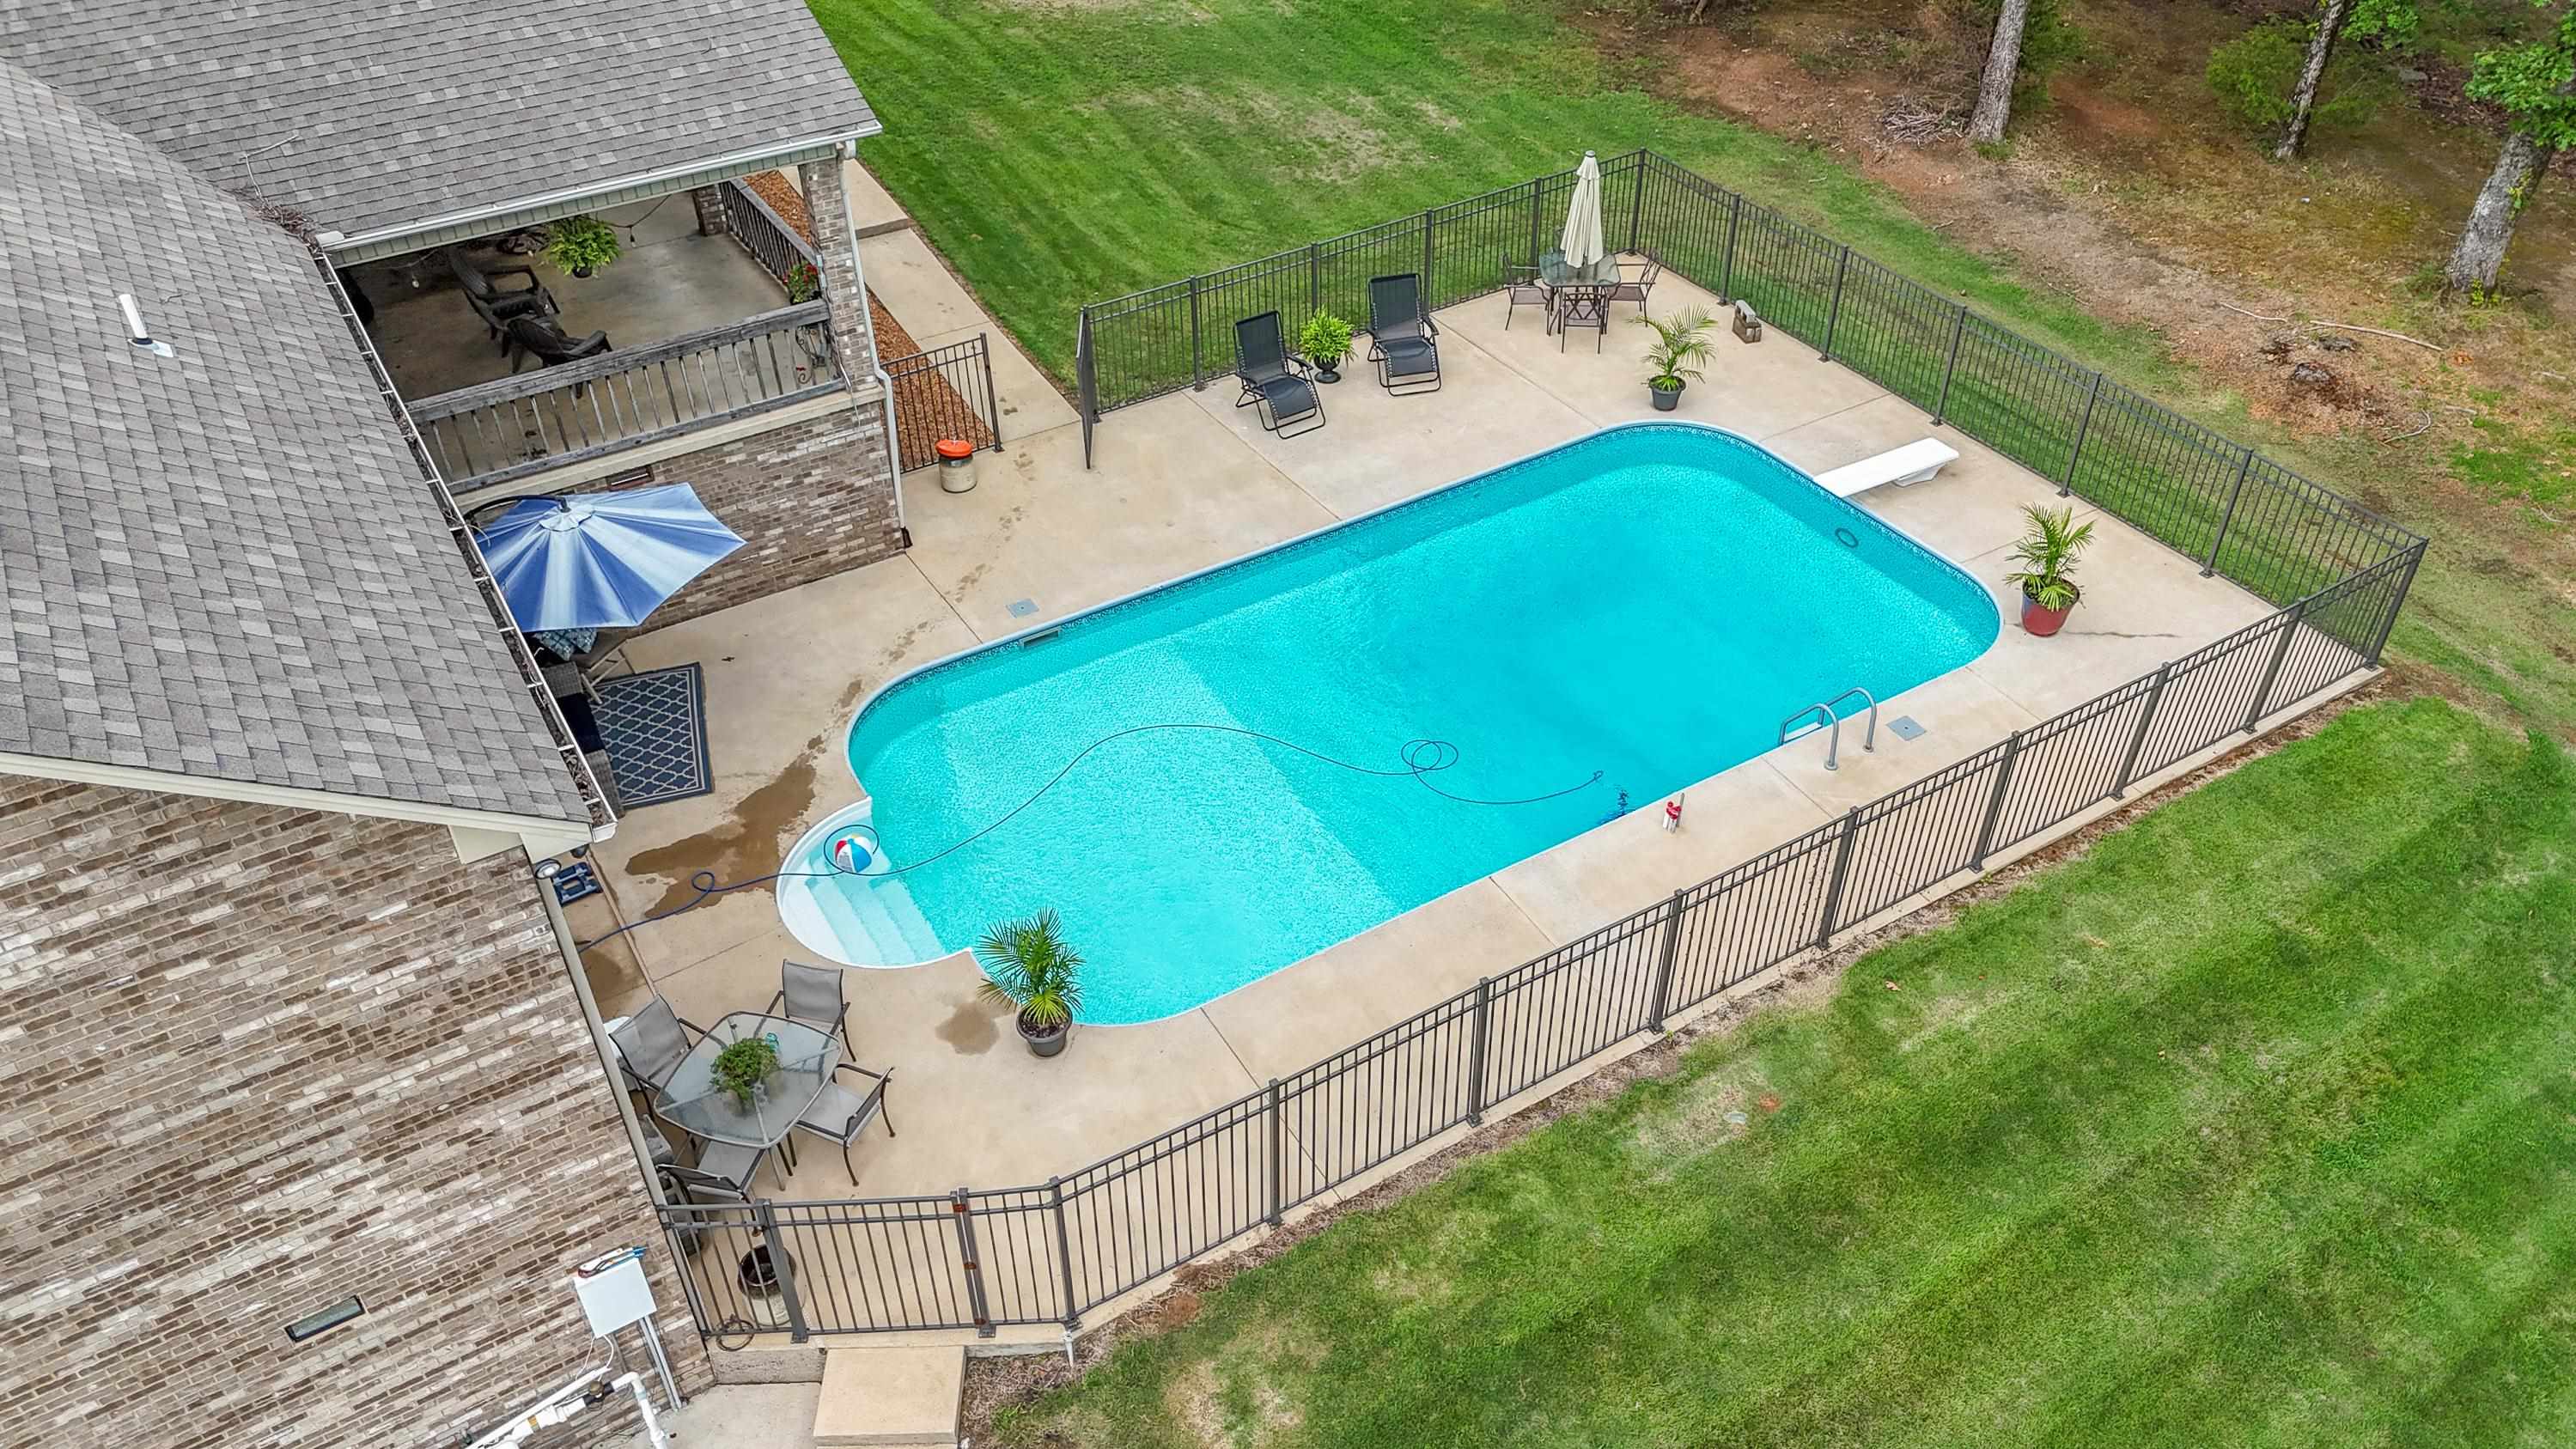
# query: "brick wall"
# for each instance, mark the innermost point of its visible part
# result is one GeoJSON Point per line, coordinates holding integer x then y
{"type": "Point", "coordinates": [810, 500]}
{"type": "Point", "coordinates": [253, 1060]}
{"type": "Point", "coordinates": [827, 211]}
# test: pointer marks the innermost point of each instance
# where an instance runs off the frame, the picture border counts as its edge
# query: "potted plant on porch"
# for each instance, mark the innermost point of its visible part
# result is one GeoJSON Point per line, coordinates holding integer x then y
{"type": "Point", "coordinates": [581, 245]}
{"type": "Point", "coordinates": [1027, 964]}
{"type": "Point", "coordinates": [1672, 360]}
{"type": "Point", "coordinates": [2047, 556]}
{"type": "Point", "coordinates": [1324, 341]}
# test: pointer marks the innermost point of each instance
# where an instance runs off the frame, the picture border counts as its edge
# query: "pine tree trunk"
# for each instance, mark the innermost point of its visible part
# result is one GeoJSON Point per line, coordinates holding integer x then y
{"type": "Point", "coordinates": [2304, 100]}
{"type": "Point", "coordinates": [2478, 260]}
{"type": "Point", "coordinates": [2003, 62]}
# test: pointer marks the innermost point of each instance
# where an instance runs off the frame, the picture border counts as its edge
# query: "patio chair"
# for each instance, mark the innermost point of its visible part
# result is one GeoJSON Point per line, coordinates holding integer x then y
{"type": "Point", "coordinates": [840, 1115]}
{"type": "Point", "coordinates": [496, 305]}
{"type": "Point", "coordinates": [1634, 289]}
{"type": "Point", "coordinates": [534, 336]}
{"type": "Point", "coordinates": [1275, 387]}
{"type": "Point", "coordinates": [813, 994]}
{"type": "Point", "coordinates": [1527, 290]}
{"type": "Point", "coordinates": [1403, 340]}
{"type": "Point", "coordinates": [701, 1187]}
{"type": "Point", "coordinates": [1582, 306]}
{"type": "Point", "coordinates": [652, 1043]}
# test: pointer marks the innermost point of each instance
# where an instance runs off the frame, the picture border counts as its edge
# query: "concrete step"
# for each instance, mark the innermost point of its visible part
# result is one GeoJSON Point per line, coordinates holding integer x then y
{"type": "Point", "coordinates": [884, 1396]}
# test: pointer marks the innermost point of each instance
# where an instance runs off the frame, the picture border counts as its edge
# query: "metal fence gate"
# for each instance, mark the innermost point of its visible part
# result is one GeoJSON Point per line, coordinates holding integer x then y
{"type": "Point", "coordinates": [944, 393]}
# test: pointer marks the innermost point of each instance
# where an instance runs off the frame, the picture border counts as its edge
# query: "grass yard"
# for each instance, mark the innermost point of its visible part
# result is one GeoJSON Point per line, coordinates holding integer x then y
{"type": "Point", "coordinates": [2238, 1131]}
{"type": "Point", "coordinates": [1064, 151]}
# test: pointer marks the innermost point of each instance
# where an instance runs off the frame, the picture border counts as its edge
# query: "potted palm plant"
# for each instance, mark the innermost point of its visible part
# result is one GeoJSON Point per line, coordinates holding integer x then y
{"type": "Point", "coordinates": [1324, 341]}
{"type": "Point", "coordinates": [581, 245]}
{"type": "Point", "coordinates": [1672, 360]}
{"type": "Point", "coordinates": [1027, 964]}
{"type": "Point", "coordinates": [2047, 556]}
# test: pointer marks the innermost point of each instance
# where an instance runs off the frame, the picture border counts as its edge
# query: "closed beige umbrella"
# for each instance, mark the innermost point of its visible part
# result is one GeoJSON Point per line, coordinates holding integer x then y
{"type": "Point", "coordinates": [1582, 240]}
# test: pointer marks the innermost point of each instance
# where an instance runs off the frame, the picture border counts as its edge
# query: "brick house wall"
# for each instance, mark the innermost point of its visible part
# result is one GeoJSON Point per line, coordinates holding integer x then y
{"type": "Point", "coordinates": [811, 499]}
{"type": "Point", "coordinates": [255, 1059]}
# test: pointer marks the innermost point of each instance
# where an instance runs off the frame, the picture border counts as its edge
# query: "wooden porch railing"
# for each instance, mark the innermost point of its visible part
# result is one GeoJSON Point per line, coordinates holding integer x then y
{"type": "Point", "coordinates": [765, 234]}
{"type": "Point", "coordinates": [500, 431]}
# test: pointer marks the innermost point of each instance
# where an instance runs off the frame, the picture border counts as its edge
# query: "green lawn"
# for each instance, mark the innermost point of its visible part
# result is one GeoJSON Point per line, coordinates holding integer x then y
{"type": "Point", "coordinates": [2235, 1132]}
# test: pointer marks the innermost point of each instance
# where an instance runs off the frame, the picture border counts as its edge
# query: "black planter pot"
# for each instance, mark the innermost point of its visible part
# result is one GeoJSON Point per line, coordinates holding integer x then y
{"type": "Point", "coordinates": [1331, 372]}
{"type": "Point", "coordinates": [1044, 1043]}
{"type": "Point", "coordinates": [1665, 401]}
{"type": "Point", "coordinates": [582, 271]}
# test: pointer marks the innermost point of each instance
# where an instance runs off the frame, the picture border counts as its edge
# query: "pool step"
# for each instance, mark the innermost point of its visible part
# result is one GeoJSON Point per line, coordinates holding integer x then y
{"type": "Point", "coordinates": [878, 919]}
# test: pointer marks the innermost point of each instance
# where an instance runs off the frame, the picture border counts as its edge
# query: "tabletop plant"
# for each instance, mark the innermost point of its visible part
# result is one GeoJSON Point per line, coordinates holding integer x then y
{"type": "Point", "coordinates": [1324, 341]}
{"type": "Point", "coordinates": [1673, 359]}
{"type": "Point", "coordinates": [742, 1066]}
{"type": "Point", "coordinates": [1028, 965]}
{"type": "Point", "coordinates": [2047, 555]}
{"type": "Point", "coordinates": [581, 245]}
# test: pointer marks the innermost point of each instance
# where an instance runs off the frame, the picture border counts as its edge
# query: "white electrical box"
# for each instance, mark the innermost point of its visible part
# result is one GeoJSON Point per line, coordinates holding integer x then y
{"type": "Point", "coordinates": [613, 1291]}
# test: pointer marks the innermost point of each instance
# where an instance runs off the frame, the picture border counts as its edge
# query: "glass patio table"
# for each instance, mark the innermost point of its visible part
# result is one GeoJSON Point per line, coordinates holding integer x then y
{"type": "Point", "coordinates": [1553, 271]}
{"type": "Point", "coordinates": [693, 1099]}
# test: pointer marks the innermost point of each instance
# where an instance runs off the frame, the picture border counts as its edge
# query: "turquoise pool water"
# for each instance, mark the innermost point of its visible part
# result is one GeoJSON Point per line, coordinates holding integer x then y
{"type": "Point", "coordinates": [1646, 603]}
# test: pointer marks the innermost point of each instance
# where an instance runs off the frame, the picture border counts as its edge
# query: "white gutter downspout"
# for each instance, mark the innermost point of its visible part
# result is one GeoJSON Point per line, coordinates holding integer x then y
{"type": "Point", "coordinates": [876, 365]}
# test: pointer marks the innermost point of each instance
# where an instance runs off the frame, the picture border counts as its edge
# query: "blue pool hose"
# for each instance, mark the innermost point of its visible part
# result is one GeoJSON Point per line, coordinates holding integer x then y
{"type": "Point", "coordinates": [1422, 759]}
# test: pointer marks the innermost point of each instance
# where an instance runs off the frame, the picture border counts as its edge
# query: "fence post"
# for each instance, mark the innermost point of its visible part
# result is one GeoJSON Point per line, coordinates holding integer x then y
{"type": "Point", "coordinates": [1950, 369]}
{"type": "Point", "coordinates": [992, 399]}
{"type": "Point", "coordinates": [1637, 209]}
{"type": "Point", "coordinates": [2138, 736]}
{"type": "Point", "coordinates": [1275, 1150]}
{"type": "Point", "coordinates": [767, 1216]}
{"type": "Point", "coordinates": [1834, 315]}
{"type": "Point", "coordinates": [1064, 1255]}
{"type": "Point", "coordinates": [1535, 202]}
{"type": "Point", "coordinates": [963, 1215]}
{"type": "Point", "coordinates": [1995, 806]}
{"type": "Point", "coordinates": [1198, 346]}
{"type": "Point", "coordinates": [1664, 958]}
{"type": "Point", "coordinates": [2209, 565]}
{"type": "Point", "coordinates": [2066, 484]}
{"type": "Point", "coordinates": [1086, 375]}
{"type": "Point", "coordinates": [1476, 1052]}
{"type": "Point", "coordinates": [2388, 621]}
{"type": "Point", "coordinates": [1314, 277]}
{"type": "Point", "coordinates": [1734, 223]}
{"type": "Point", "coordinates": [1842, 873]}
{"type": "Point", "coordinates": [1427, 223]}
{"type": "Point", "coordinates": [2272, 671]}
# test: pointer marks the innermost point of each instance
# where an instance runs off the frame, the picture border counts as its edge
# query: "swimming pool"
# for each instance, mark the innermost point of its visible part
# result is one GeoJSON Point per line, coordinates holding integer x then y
{"type": "Point", "coordinates": [1620, 616]}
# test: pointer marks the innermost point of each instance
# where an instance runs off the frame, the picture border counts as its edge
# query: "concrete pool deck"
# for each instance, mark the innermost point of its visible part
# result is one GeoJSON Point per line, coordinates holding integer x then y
{"type": "Point", "coordinates": [1186, 481]}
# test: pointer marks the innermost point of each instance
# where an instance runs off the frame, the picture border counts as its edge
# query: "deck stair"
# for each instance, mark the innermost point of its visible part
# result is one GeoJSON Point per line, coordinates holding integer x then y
{"type": "Point", "coordinates": [890, 1397]}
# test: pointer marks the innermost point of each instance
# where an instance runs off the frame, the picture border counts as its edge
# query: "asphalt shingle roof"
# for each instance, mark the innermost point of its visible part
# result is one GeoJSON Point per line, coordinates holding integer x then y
{"type": "Point", "coordinates": [376, 113]}
{"type": "Point", "coordinates": [223, 563]}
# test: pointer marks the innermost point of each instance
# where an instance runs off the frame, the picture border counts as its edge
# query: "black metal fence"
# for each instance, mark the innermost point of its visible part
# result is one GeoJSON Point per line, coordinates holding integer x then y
{"type": "Point", "coordinates": [946, 392]}
{"type": "Point", "coordinates": [1049, 1253]}
{"type": "Point", "coordinates": [2237, 514]}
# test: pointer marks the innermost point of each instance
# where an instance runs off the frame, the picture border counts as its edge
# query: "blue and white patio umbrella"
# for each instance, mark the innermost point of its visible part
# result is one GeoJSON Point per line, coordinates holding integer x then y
{"type": "Point", "coordinates": [601, 560]}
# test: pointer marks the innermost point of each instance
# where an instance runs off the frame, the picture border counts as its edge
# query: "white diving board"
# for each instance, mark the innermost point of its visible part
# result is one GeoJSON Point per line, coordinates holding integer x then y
{"type": "Point", "coordinates": [1914, 463]}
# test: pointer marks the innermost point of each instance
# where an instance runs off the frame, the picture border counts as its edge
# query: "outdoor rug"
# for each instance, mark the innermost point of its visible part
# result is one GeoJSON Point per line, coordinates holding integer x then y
{"type": "Point", "coordinates": [655, 727]}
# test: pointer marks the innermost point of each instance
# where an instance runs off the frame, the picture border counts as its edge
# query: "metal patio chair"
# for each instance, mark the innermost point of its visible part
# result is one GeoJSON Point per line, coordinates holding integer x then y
{"type": "Point", "coordinates": [1527, 289]}
{"type": "Point", "coordinates": [1274, 385]}
{"type": "Point", "coordinates": [815, 995]}
{"type": "Point", "coordinates": [840, 1114]}
{"type": "Point", "coordinates": [1582, 306]}
{"type": "Point", "coordinates": [652, 1044]}
{"type": "Point", "coordinates": [496, 305]}
{"type": "Point", "coordinates": [1634, 289]}
{"type": "Point", "coordinates": [1403, 340]}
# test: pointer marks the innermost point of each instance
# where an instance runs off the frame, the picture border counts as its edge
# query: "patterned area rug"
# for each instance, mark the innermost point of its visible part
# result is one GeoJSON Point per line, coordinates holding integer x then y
{"type": "Point", "coordinates": [655, 727]}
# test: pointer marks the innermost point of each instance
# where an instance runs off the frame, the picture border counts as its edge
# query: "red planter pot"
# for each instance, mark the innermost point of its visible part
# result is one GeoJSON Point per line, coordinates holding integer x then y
{"type": "Point", "coordinates": [2044, 622]}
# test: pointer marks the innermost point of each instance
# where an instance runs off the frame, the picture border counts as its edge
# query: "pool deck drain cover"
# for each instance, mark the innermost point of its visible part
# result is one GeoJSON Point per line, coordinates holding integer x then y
{"type": "Point", "coordinates": [1904, 728]}
{"type": "Point", "coordinates": [1020, 608]}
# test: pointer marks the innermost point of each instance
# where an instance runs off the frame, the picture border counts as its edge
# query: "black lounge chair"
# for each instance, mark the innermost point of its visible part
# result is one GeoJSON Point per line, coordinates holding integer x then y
{"type": "Point", "coordinates": [496, 305]}
{"type": "Point", "coordinates": [1403, 340]}
{"type": "Point", "coordinates": [1274, 385]}
{"type": "Point", "coordinates": [538, 337]}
